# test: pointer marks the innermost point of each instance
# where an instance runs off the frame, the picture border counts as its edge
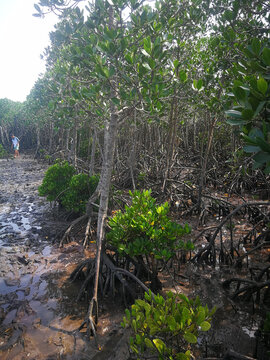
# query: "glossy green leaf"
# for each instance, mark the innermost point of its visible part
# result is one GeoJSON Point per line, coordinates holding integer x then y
{"type": "Point", "coordinates": [183, 75]}
{"type": "Point", "coordinates": [199, 84]}
{"type": "Point", "coordinates": [251, 149]}
{"type": "Point", "coordinates": [205, 326]}
{"type": "Point", "coordinates": [266, 55]}
{"type": "Point", "coordinates": [190, 338]}
{"type": "Point", "coordinates": [234, 113]}
{"type": "Point", "coordinates": [256, 46]}
{"type": "Point", "coordinates": [265, 146]}
{"type": "Point", "coordinates": [145, 53]}
{"type": "Point", "coordinates": [149, 343]}
{"type": "Point", "coordinates": [160, 345]}
{"type": "Point", "coordinates": [240, 94]}
{"type": "Point", "coordinates": [262, 85]}
{"type": "Point", "coordinates": [262, 157]}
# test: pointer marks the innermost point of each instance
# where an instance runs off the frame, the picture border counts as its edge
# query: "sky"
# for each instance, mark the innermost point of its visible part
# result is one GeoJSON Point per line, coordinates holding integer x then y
{"type": "Point", "coordinates": [23, 39]}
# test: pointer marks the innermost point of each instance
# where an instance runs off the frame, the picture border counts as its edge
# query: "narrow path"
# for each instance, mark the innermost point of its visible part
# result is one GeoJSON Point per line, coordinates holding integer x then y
{"type": "Point", "coordinates": [38, 311]}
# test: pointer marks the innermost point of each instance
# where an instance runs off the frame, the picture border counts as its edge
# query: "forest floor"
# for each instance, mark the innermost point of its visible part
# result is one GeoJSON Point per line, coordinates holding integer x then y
{"type": "Point", "coordinates": [38, 308]}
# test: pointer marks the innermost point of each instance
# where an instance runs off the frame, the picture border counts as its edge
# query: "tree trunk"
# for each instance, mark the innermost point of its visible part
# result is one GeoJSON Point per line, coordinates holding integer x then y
{"type": "Point", "coordinates": [170, 141]}
{"type": "Point", "coordinates": [105, 179]}
{"type": "Point", "coordinates": [93, 153]}
{"type": "Point", "coordinates": [205, 161]}
{"type": "Point", "coordinates": [38, 139]}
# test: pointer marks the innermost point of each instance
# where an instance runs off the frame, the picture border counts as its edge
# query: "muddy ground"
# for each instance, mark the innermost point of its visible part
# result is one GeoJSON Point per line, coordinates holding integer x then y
{"type": "Point", "coordinates": [38, 311]}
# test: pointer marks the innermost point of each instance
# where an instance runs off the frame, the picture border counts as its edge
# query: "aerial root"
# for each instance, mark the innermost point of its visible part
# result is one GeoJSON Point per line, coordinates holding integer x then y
{"type": "Point", "coordinates": [251, 287]}
{"type": "Point", "coordinates": [69, 229]}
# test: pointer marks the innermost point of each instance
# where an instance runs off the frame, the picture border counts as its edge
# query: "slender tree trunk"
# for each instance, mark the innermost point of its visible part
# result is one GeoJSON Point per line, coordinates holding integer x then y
{"type": "Point", "coordinates": [105, 180]}
{"type": "Point", "coordinates": [170, 141]}
{"type": "Point", "coordinates": [38, 139]}
{"type": "Point", "coordinates": [93, 153]}
{"type": "Point", "coordinates": [132, 155]}
{"type": "Point", "coordinates": [205, 161]}
{"type": "Point", "coordinates": [51, 137]}
{"type": "Point", "coordinates": [66, 143]}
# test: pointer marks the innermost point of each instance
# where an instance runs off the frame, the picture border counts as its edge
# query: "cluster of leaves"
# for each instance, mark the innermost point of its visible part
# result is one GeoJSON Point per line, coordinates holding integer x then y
{"type": "Point", "coordinates": [251, 96]}
{"type": "Point", "coordinates": [56, 181]}
{"type": "Point", "coordinates": [81, 186]}
{"type": "Point", "coordinates": [166, 326]}
{"type": "Point", "coordinates": [145, 229]}
{"type": "Point", "coordinates": [3, 152]}
{"type": "Point", "coordinates": [62, 185]}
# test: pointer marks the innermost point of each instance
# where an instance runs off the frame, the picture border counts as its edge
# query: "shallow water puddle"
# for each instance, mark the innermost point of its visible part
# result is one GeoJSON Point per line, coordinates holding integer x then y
{"type": "Point", "coordinates": [38, 311]}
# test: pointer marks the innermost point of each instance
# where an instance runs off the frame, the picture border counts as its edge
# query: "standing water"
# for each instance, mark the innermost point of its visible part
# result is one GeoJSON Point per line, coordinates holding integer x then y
{"type": "Point", "coordinates": [38, 309]}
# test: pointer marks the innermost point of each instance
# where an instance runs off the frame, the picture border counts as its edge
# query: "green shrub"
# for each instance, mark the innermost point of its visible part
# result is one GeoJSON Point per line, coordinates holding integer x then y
{"type": "Point", "coordinates": [165, 327]}
{"type": "Point", "coordinates": [80, 188]}
{"type": "Point", "coordinates": [145, 229]}
{"type": "Point", "coordinates": [56, 181]}
{"type": "Point", "coordinates": [3, 152]}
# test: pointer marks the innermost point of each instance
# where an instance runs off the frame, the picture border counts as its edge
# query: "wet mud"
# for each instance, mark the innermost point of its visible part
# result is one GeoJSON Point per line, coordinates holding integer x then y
{"type": "Point", "coordinates": [38, 308]}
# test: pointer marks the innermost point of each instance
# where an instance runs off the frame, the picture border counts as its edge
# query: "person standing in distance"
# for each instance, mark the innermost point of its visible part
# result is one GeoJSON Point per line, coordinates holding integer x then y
{"type": "Point", "coordinates": [15, 145]}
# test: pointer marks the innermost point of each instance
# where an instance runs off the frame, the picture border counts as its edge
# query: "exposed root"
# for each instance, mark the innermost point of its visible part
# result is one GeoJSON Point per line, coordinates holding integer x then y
{"type": "Point", "coordinates": [107, 283]}
{"type": "Point", "coordinates": [107, 278]}
{"type": "Point", "coordinates": [69, 229]}
{"type": "Point", "coordinates": [250, 287]}
{"type": "Point", "coordinates": [208, 253]}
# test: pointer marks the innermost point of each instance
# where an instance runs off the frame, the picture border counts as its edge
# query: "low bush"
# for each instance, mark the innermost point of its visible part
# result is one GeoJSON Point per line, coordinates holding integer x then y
{"type": "Point", "coordinates": [145, 229]}
{"type": "Point", "coordinates": [81, 187]}
{"type": "Point", "coordinates": [71, 191]}
{"type": "Point", "coordinates": [56, 181]}
{"type": "Point", "coordinates": [3, 152]}
{"type": "Point", "coordinates": [166, 326]}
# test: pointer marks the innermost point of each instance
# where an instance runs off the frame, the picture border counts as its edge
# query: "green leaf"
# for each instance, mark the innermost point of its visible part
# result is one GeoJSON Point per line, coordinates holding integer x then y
{"type": "Point", "coordinates": [190, 338]}
{"type": "Point", "coordinates": [183, 75]}
{"type": "Point", "coordinates": [267, 169]}
{"type": "Point", "coordinates": [182, 356]}
{"type": "Point", "coordinates": [159, 345]}
{"type": "Point", "coordinates": [145, 53]}
{"type": "Point", "coordinates": [262, 85]}
{"type": "Point", "coordinates": [37, 8]}
{"type": "Point", "coordinates": [235, 122]}
{"type": "Point", "coordinates": [251, 149]}
{"type": "Point", "coordinates": [247, 114]}
{"type": "Point", "coordinates": [115, 100]}
{"type": "Point", "coordinates": [263, 144]}
{"type": "Point", "coordinates": [240, 94]}
{"type": "Point", "coordinates": [234, 113]}
{"type": "Point", "coordinates": [129, 58]}
{"type": "Point", "coordinates": [147, 44]}
{"type": "Point", "coordinates": [259, 108]}
{"type": "Point", "coordinates": [266, 55]}
{"type": "Point", "coordinates": [146, 66]}
{"type": "Point", "coordinates": [200, 317]}
{"type": "Point", "coordinates": [256, 46]}
{"type": "Point", "coordinates": [205, 326]}
{"type": "Point", "coordinates": [149, 343]}
{"type": "Point", "coordinates": [262, 157]}
{"type": "Point", "coordinates": [172, 323]}
{"type": "Point", "coordinates": [199, 84]}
